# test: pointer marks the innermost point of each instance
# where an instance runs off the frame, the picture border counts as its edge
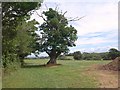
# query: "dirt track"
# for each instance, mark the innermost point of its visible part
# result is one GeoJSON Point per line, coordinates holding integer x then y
{"type": "Point", "coordinates": [106, 78]}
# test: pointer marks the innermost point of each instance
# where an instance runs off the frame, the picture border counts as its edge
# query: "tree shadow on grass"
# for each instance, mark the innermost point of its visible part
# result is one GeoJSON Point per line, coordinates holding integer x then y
{"type": "Point", "coordinates": [38, 66]}
{"type": "Point", "coordinates": [32, 65]}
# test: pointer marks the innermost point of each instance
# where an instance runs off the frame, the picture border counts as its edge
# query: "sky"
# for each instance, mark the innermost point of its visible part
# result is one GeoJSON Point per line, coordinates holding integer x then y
{"type": "Point", "coordinates": [97, 31]}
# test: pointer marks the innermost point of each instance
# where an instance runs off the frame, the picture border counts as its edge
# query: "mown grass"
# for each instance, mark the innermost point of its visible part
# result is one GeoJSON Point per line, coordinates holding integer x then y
{"type": "Point", "coordinates": [68, 75]}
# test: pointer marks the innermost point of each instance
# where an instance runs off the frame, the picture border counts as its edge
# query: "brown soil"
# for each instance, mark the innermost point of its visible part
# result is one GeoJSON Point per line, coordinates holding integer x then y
{"type": "Point", "coordinates": [105, 78]}
{"type": "Point", "coordinates": [114, 65]}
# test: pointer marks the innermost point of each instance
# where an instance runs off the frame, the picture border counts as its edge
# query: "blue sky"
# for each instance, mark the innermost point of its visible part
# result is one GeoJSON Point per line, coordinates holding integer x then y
{"type": "Point", "coordinates": [97, 31]}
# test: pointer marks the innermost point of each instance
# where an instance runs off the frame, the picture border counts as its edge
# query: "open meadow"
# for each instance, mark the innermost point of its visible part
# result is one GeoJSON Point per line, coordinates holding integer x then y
{"type": "Point", "coordinates": [59, 44]}
{"type": "Point", "coordinates": [70, 74]}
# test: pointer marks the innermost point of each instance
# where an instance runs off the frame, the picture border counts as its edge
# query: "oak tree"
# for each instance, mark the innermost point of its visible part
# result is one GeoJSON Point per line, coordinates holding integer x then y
{"type": "Point", "coordinates": [57, 34]}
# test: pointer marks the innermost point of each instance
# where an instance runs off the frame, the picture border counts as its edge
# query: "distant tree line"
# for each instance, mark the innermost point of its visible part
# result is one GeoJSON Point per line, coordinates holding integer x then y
{"type": "Point", "coordinates": [111, 54]}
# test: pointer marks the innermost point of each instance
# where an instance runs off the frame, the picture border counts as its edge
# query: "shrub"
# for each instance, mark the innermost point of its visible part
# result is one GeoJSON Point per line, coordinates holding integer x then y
{"type": "Point", "coordinates": [77, 55]}
{"type": "Point", "coordinates": [10, 62]}
{"type": "Point", "coordinates": [91, 56]}
{"type": "Point", "coordinates": [113, 53]}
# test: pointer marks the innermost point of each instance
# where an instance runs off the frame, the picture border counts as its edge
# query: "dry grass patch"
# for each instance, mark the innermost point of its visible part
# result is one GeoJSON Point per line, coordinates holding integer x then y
{"type": "Point", "coordinates": [105, 78]}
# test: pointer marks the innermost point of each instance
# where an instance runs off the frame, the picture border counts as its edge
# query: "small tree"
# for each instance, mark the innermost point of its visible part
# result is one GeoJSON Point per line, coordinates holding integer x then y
{"type": "Point", "coordinates": [26, 38]}
{"type": "Point", "coordinates": [77, 55]}
{"type": "Point", "coordinates": [113, 53]}
{"type": "Point", "coordinates": [57, 35]}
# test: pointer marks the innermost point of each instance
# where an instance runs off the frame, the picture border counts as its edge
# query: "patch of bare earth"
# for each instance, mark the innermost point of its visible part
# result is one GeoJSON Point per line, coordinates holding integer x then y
{"type": "Point", "coordinates": [106, 75]}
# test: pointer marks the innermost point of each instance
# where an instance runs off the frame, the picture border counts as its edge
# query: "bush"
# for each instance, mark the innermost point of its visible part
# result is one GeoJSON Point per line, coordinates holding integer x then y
{"type": "Point", "coordinates": [113, 53]}
{"type": "Point", "coordinates": [11, 67]}
{"type": "Point", "coordinates": [77, 55]}
{"type": "Point", "coordinates": [105, 56]}
{"type": "Point", "coordinates": [91, 56]}
{"type": "Point", "coordinates": [10, 62]}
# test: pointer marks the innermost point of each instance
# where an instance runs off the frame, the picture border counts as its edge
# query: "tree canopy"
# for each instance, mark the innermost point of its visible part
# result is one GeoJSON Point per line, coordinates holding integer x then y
{"type": "Point", "coordinates": [15, 28]}
{"type": "Point", "coordinates": [57, 35]}
{"type": "Point", "coordinates": [26, 38]}
{"type": "Point", "coordinates": [113, 53]}
{"type": "Point", "coordinates": [12, 14]}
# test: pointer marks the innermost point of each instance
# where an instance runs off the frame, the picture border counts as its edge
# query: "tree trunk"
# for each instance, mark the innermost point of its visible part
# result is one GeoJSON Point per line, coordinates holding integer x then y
{"type": "Point", "coordinates": [52, 60]}
{"type": "Point", "coordinates": [22, 62]}
{"type": "Point", "coordinates": [53, 56]}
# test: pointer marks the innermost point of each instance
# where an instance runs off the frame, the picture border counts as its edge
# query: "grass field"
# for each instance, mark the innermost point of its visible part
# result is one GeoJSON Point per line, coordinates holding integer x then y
{"type": "Point", "coordinates": [68, 75]}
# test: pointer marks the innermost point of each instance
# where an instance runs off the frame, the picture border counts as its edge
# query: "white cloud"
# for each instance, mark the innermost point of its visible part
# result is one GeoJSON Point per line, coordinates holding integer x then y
{"type": "Point", "coordinates": [60, 1]}
{"type": "Point", "coordinates": [92, 41]}
{"type": "Point", "coordinates": [100, 16]}
{"type": "Point", "coordinates": [101, 19]}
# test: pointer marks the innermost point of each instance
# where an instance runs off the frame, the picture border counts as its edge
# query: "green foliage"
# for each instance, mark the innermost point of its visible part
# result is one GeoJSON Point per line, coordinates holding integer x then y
{"type": "Point", "coordinates": [96, 56]}
{"type": "Point", "coordinates": [91, 56]}
{"type": "Point", "coordinates": [105, 56]}
{"type": "Point", "coordinates": [10, 62]}
{"type": "Point", "coordinates": [57, 36]}
{"type": "Point", "coordinates": [77, 55]}
{"type": "Point", "coordinates": [113, 53]}
{"type": "Point", "coordinates": [12, 15]}
{"type": "Point", "coordinates": [87, 56]}
{"type": "Point", "coordinates": [26, 38]}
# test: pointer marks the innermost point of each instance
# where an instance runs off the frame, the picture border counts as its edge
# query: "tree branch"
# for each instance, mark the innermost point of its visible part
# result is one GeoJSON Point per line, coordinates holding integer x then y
{"type": "Point", "coordinates": [76, 19]}
{"type": "Point", "coordinates": [58, 53]}
{"type": "Point", "coordinates": [64, 13]}
{"type": "Point", "coordinates": [47, 53]}
{"type": "Point", "coordinates": [56, 8]}
{"type": "Point", "coordinates": [43, 19]}
{"type": "Point", "coordinates": [41, 16]}
{"type": "Point", "coordinates": [46, 6]}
